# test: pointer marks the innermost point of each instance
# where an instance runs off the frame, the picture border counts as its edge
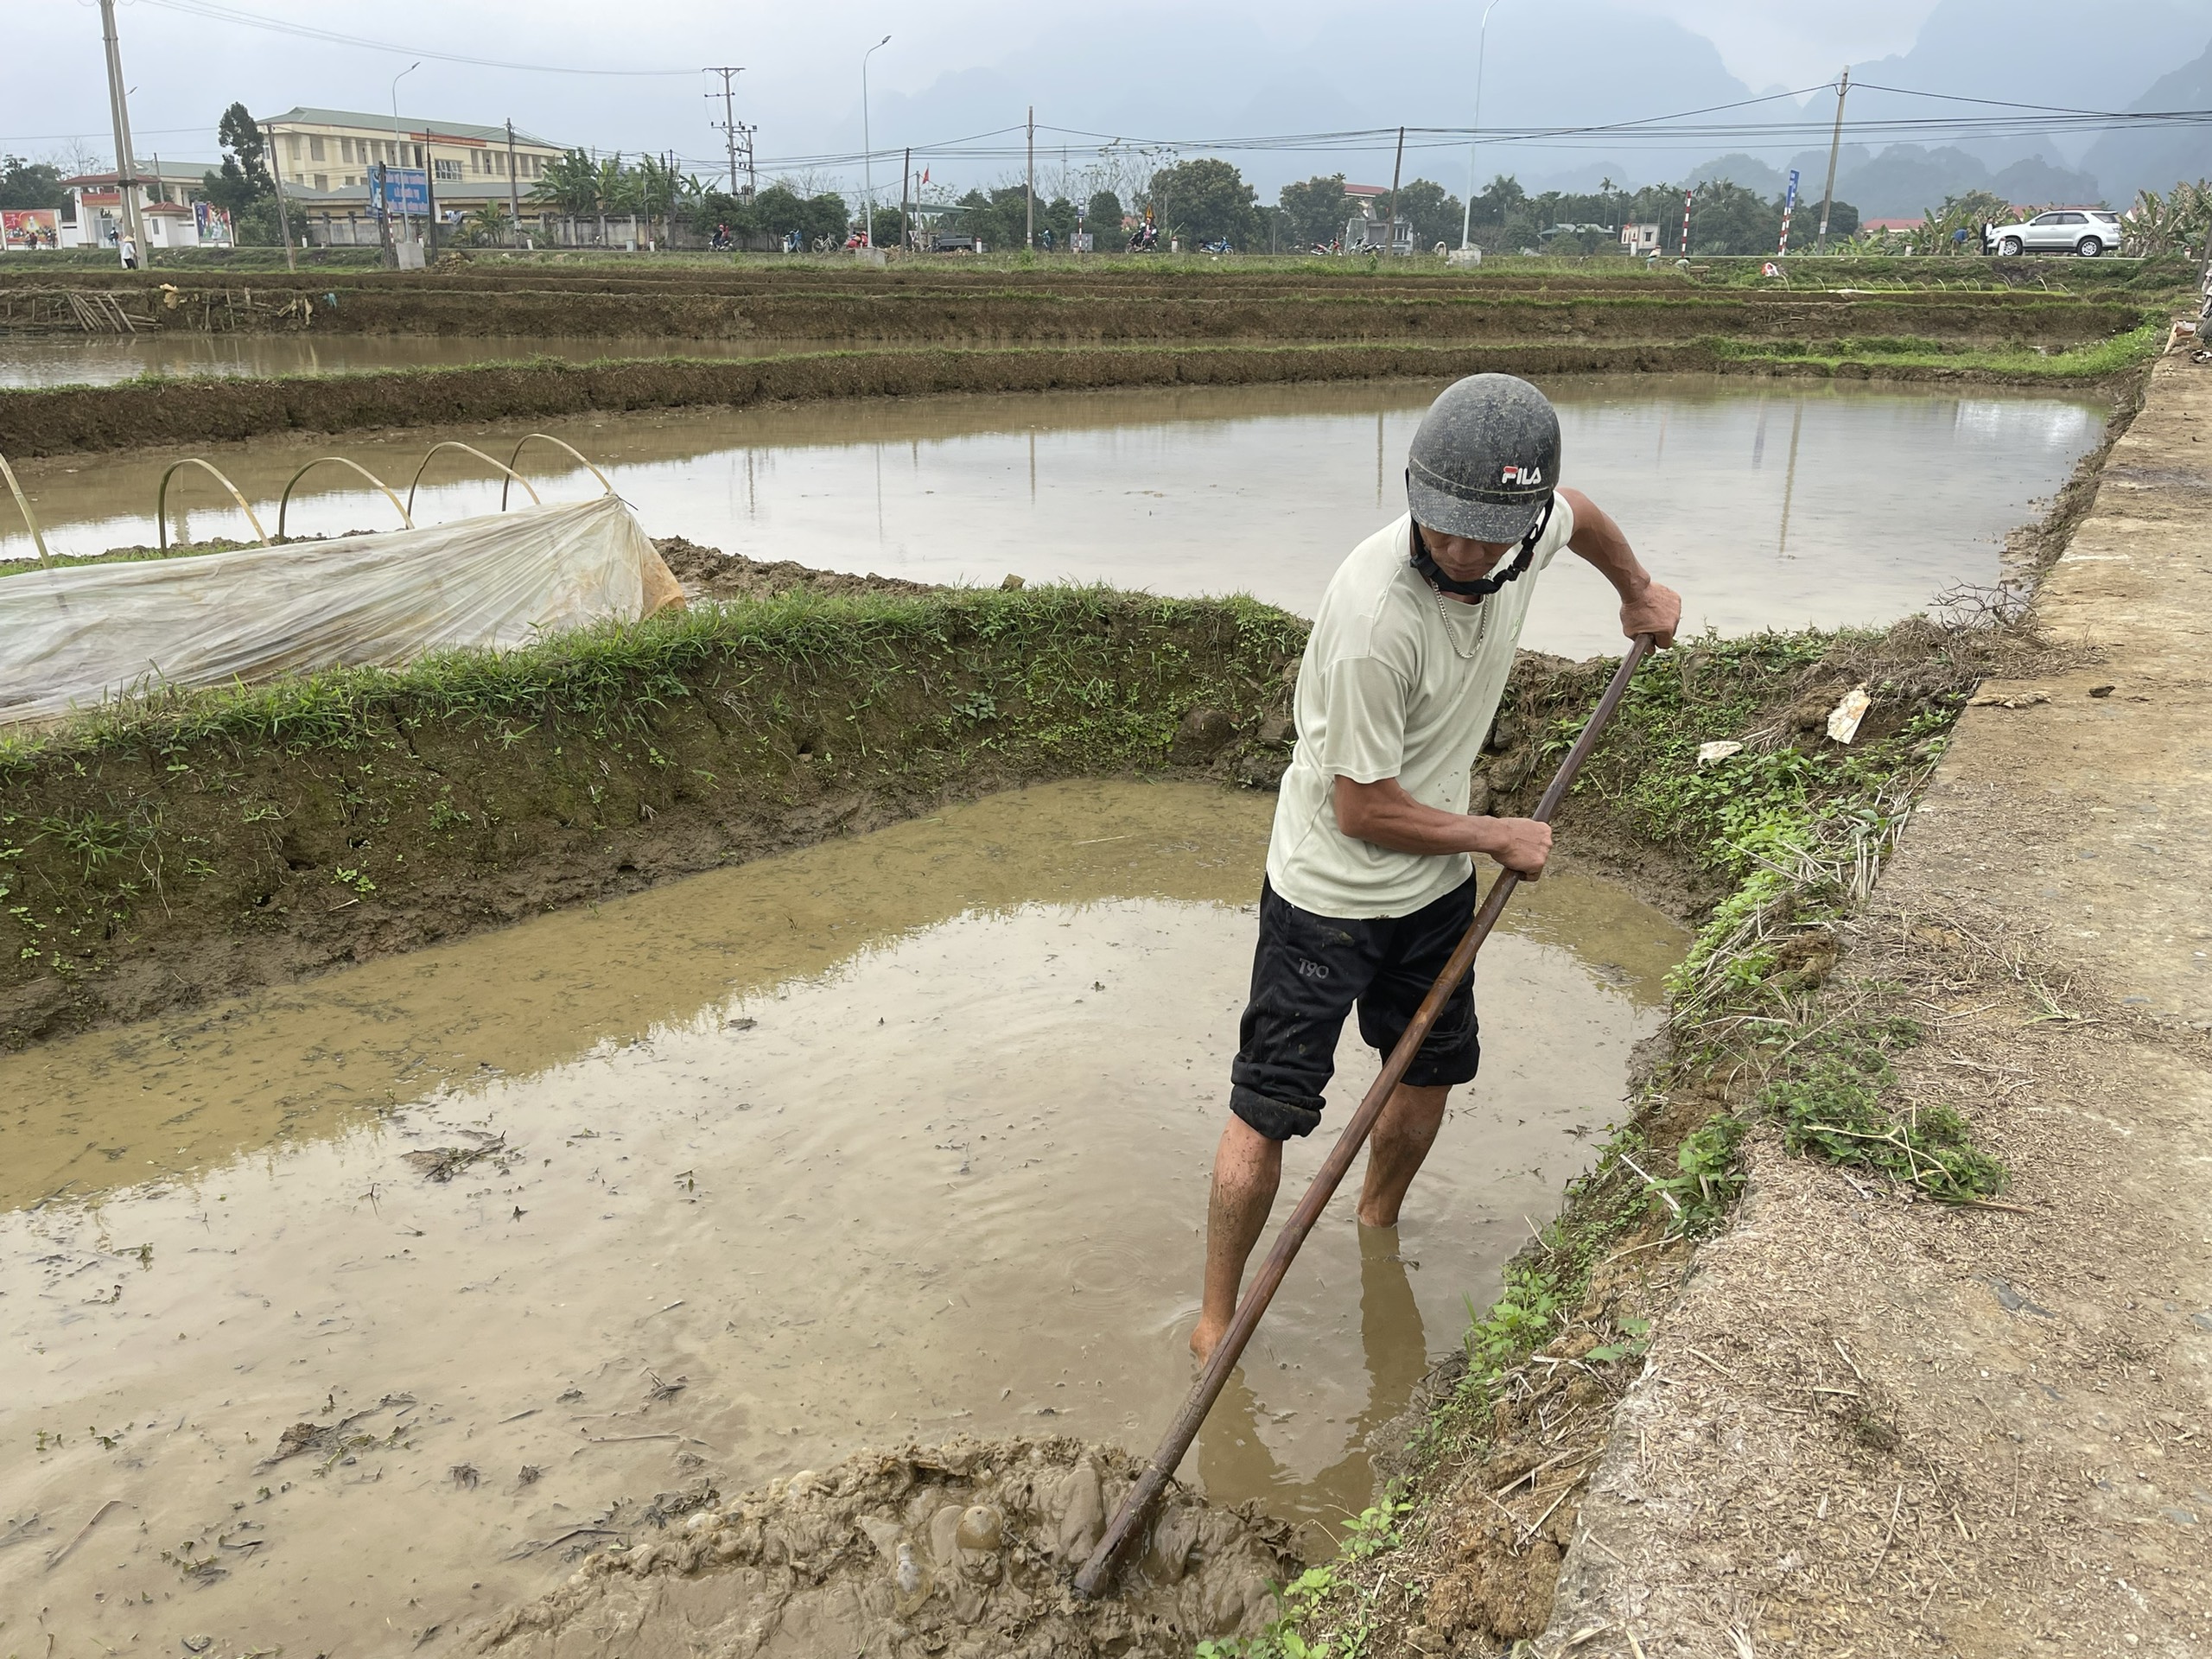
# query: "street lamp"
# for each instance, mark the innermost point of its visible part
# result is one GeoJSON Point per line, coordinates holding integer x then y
{"type": "Point", "coordinates": [867, 158]}
{"type": "Point", "coordinates": [398, 148]}
{"type": "Point", "coordinates": [1481, 48]}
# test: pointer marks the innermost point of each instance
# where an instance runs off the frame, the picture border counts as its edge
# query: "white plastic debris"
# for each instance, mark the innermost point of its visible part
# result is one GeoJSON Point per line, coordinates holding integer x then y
{"type": "Point", "coordinates": [1844, 718]}
{"type": "Point", "coordinates": [1709, 752]}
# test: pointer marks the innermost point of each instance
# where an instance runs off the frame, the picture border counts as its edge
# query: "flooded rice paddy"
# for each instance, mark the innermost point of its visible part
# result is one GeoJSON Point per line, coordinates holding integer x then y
{"type": "Point", "coordinates": [1769, 504]}
{"type": "Point", "coordinates": [103, 360]}
{"type": "Point", "coordinates": [900, 1137]}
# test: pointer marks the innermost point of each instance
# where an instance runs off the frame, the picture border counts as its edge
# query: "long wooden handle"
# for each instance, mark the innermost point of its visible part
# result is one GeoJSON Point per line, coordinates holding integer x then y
{"type": "Point", "coordinates": [1184, 1429]}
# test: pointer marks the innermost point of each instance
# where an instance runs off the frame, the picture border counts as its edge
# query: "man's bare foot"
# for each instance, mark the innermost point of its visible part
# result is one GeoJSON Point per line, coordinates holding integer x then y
{"type": "Point", "coordinates": [1204, 1338]}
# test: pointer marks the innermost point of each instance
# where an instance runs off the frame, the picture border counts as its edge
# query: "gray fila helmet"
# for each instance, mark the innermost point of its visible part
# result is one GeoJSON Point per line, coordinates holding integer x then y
{"type": "Point", "coordinates": [1486, 460]}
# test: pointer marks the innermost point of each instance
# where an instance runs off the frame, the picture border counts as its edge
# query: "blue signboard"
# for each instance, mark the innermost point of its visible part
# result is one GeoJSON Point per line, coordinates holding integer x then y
{"type": "Point", "coordinates": [1789, 201]}
{"type": "Point", "coordinates": [401, 190]}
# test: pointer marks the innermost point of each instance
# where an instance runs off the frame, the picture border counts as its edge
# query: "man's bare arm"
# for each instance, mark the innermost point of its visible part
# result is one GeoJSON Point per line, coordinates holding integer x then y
{"type": "Point", "coordinates": [1646, 606]}
{"type": "Point", "coordinates": [1385, 814]}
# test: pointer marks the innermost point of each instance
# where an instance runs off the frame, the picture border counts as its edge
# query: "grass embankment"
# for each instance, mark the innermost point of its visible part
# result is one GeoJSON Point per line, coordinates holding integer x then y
{"type": "Point", "coordinates": [1924, 357]}
{"type": "Point", "coordinates": [155, 409]}
{"type": "Point", "coordinates": [929, 307]}
{"type": "Point", "coordinates": [166, 851]}
{"type": "Point", "coordinates": [70, 419]}
{"type": "Point", "coordinates": [1783, 839]}
{"type": "Point", "coordinates": [2157, 275]}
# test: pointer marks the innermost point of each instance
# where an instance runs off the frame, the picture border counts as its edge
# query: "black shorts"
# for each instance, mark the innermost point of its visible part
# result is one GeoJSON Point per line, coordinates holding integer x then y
{"type": "Point", "coordinates": [1308, 971]}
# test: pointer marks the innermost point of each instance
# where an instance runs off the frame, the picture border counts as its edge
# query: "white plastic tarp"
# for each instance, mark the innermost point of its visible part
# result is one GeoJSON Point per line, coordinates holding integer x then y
{"type": "Point", "coordinates": [83, 635]}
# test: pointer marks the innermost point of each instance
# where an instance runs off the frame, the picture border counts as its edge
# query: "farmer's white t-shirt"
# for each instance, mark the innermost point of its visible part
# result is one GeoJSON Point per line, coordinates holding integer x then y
{"type": "Point", "coordinates": [1385, 692]}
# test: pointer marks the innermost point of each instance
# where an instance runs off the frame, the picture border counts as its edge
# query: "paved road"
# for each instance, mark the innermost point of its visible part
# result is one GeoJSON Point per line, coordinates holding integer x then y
{"type": "Point", "coordinates": [1876, 1428]}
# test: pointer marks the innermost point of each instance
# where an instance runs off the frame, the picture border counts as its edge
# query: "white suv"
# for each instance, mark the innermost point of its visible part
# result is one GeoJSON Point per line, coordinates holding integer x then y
{"type": "Point", "coordinates": [2086, 231]}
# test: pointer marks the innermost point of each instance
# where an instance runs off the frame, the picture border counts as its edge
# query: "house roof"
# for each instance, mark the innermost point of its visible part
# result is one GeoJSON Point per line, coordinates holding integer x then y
{"type": "Point", "coordinates": [168, 173]}
{"type": "Point", "coordinates": [344, 195]}
{"type": "Point", "coordinates": [466, 131]}
{"type": "Point", "coordinates": [167, 209]}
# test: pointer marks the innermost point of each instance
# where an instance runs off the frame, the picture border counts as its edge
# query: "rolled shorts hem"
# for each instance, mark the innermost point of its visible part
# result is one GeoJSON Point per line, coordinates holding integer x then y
{"type": "Point", "coordinates": [1276, 1119]}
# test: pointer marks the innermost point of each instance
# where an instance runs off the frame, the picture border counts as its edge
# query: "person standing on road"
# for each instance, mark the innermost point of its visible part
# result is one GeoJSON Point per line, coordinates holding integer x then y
{"type": "Point", "coordinates": [1370, 878]}
{"type": "Point", "coordinates": [130, 248]}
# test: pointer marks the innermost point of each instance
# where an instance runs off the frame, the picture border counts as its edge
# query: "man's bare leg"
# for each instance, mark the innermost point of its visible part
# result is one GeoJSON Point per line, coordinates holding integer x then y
{"type": "Point", "coordinates": [1402, 1136]}
{"type": "Point", "coordinates": [1246, 1169]}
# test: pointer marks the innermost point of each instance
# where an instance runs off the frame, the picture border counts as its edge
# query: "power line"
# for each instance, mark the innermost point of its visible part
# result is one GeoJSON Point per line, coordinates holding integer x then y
{"type": "Point", "coordinates": [58, 137]}
{"type": "Point", "coordinates": [1680, 130]}
{"type": "Point", "coordinates": [213, 12]}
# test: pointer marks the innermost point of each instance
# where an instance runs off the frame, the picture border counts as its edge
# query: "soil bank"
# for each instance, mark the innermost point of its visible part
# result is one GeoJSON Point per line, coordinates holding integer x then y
{"type": "Point", "coordinates": [165, 854]}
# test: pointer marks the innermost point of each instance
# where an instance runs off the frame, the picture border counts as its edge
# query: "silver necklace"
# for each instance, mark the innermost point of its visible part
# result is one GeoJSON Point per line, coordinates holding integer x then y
{"type": "Point", "coordinates": [1465, 654]}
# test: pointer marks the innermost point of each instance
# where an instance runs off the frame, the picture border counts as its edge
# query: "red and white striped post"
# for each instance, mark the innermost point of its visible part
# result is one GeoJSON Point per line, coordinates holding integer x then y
{"type": "Point", "coordinates": [1687, 195]}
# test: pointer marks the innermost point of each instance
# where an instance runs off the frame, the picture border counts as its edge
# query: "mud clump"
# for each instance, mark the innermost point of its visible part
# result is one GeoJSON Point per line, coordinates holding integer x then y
{"type": "Point", "coordinates": [965, 1549]}
{"type": "Point", "coordinates": [710, 573]}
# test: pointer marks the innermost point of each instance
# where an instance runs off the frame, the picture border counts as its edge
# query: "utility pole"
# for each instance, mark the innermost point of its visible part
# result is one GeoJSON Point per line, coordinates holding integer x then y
{"type": "Point", "coordinates": [277, 183]}
{"type": "Point", "coordinates": [728, 124]}
{"type": "Point", "coordinates": [905, 212]}
{"type": "Point", "coordinates": [1390, 235]}
{"type": "Point", "coordinates": [1836, 144]}
{"type": "Point", "coordinates": [1029, 186]}
{"type": "Point", "coordinates": [514, 193]}
{"type": "Point", "coordinates": [1474, 138]}
{"type": "Point", "coordinates": [868, 152]}
{"type": "Point", "coordinates": [126, 168]}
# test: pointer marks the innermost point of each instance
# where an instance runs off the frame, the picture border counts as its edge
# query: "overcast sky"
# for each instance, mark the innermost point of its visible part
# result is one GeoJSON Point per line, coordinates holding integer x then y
{"type": "Point", "coordinates": [1166, 68]}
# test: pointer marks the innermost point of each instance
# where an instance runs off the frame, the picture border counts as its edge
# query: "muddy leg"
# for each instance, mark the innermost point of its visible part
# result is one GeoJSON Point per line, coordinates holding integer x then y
{"type": "Point", "coordinates": [1246, 1169]}
{"type": "Point", "coordinates": [1402, 1136]}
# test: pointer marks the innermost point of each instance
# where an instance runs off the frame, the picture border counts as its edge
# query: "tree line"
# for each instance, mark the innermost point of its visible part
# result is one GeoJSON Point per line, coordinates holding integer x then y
{"type": "Point", "coordinates": [1199, 202]}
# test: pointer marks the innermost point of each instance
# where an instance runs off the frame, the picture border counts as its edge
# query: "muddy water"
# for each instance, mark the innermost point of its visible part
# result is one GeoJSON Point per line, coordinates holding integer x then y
{"type": "Point", "coordinates": [1771, 505]}
{"type": "Point", "coordinates": [902, 1136]}
{"type": "Point", "coordinates": [48, 361]}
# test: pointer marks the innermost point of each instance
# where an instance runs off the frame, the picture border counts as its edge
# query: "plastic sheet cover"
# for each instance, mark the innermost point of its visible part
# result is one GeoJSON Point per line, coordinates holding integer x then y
{"type": "Point", "coordinates": [89, 633]}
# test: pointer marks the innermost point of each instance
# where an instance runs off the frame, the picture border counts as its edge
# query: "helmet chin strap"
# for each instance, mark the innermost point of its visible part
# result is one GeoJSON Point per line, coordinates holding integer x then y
{"type": "Point", "coordinates": [1482, 586]}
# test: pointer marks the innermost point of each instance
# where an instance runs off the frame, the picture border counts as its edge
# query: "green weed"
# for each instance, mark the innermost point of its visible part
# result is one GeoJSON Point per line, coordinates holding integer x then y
{"type": "Point", "coordinates": [1829, 1098]}
{"type": "Point", "coordinates": [1373, 1532]}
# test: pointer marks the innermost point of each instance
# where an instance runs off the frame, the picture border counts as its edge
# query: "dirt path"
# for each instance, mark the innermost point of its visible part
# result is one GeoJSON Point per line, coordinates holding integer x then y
{"type": "Point", "coordinates": [1874, 1427]}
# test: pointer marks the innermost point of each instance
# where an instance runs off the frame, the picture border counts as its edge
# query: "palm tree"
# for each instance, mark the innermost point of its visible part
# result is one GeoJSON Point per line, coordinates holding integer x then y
{"type": "Point", "coordinates": [2180, 221]}
{"type": "Point", "coordinates": [570, 186]}
{"type": "Point", "coordinates": [488, 225]}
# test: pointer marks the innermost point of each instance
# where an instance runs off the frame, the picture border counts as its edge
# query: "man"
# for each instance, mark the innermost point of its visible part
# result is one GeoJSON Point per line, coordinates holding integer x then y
{"type": "Point", "coordinates": [1371, 881]}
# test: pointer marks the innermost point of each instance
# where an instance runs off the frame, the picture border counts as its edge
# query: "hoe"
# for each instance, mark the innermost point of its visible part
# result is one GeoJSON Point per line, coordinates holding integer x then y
{"type": "Point", "coordinates": [1131, 1518]}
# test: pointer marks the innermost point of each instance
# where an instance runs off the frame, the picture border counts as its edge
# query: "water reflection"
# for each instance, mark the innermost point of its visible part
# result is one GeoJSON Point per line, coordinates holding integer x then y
{"type": "Point", "coordinates": [1888, 496]}
{"type": "Point", "coordinates": [1233, 1452]}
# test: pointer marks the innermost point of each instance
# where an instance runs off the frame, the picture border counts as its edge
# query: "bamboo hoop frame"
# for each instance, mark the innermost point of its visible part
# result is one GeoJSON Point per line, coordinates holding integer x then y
{"type": "Point", "coordinates": [547, 437]}
{"type": "Point", "coordinates": [161, 497]}
{"type": "Point", "coordinates": [284, 501]}
{"type": "Point", "coordinates": [469, 448]}
{"type": "Point", "coordinates": [23, 504]}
